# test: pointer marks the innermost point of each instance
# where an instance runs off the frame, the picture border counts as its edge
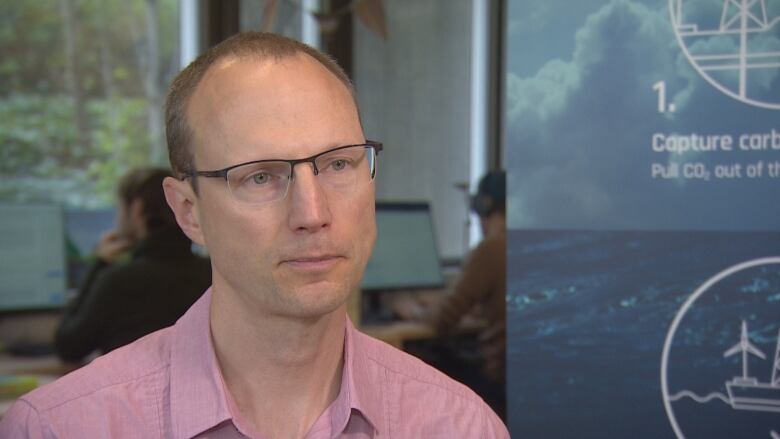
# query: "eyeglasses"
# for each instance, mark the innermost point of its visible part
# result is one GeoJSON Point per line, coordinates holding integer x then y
{"type": "Point", "coordinates": [263, 181]}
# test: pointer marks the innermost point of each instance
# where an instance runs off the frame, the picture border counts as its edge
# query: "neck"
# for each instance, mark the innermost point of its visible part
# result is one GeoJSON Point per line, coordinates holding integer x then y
{"type": "Point", "coordinates": [281, 372]}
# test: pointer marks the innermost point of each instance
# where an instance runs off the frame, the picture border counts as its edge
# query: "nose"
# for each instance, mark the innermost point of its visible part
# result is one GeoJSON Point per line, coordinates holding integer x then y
{"type": "Point", "coordinates": [308, 203]}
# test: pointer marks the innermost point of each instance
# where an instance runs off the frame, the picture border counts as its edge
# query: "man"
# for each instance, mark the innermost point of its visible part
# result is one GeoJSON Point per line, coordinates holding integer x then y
{"type": "Point", "coordinates": [479, 290]}
{"type": "Point", "coordinates": [482, 282]}
{"type": "Point", "coordinates": [277, 183]}
{"type": "Point", "coordinates": [121, 301]}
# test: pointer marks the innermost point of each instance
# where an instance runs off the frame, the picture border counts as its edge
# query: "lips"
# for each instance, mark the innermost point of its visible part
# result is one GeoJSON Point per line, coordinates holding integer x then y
{"type": "Point", "coordinates": [319, 262]}
{"type": "Point", "coordinates": [316, 258]}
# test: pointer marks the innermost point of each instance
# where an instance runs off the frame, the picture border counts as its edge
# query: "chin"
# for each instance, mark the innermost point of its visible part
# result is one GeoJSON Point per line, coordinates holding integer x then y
{"type": "Point", "coordinates": [318, 299]}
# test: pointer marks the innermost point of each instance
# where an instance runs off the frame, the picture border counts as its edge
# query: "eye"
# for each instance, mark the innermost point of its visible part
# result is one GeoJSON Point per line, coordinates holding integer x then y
{"type": "Point", "coordinates": [259, 178]}
{"type": "Point", "coordinates": [339, 164]}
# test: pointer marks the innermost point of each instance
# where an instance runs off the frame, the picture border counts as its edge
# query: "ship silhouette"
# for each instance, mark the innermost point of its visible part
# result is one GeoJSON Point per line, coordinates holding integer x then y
{"type": "Point", "coordinates": [746, 392]}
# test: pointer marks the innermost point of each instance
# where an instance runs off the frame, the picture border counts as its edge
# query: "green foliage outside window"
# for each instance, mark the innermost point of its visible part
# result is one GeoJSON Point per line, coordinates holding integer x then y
{"type": "Point", "coordinates": [82, 84]}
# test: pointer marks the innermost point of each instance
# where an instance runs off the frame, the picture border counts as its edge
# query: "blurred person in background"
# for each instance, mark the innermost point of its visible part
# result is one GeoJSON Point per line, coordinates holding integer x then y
{"type": "Point", "coordinates": [144, 277]}
{"type": "Point", "coordinates": [479, 292]}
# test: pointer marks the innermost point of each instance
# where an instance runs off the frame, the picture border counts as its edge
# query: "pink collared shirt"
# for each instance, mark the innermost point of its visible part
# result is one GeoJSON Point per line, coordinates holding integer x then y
{"type": "Point", "coordinates": [168, 385]}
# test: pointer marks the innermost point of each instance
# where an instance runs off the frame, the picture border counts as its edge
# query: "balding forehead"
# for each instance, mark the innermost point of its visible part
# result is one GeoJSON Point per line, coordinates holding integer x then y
{"type": "Point", "coordinates": [230, 74]}
{"type": "Point", "coordinates": [214, 80]}
{"type": "Point", "coordinates": [261, 61]}
{"type": "Point", "coordinates": [252, 92]}
{"type": "Point", "coordinates": [224, 70]}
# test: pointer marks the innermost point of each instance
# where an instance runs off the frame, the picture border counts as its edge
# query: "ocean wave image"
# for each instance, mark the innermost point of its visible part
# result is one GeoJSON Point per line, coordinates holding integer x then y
{"type": "Point", "coordinates": [588, 313]}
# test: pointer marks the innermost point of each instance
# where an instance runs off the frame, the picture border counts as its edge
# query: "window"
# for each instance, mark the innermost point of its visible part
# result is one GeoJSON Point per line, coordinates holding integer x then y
{"type": "Point", "coordinates": [82, 85]}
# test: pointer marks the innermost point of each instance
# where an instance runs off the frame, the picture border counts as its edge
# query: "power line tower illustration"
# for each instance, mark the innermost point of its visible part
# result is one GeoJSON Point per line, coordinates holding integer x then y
{"type": "Point", "coordinates": [677, 13]}
{"type": "Point", "coordinates": [743, 15]}
{"type": "Point", "coordinates": [739, 53]}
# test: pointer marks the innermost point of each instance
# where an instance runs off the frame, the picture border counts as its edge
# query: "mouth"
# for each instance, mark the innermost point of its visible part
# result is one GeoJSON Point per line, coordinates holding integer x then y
{"type": "Point", "coordinates": [313, 263]}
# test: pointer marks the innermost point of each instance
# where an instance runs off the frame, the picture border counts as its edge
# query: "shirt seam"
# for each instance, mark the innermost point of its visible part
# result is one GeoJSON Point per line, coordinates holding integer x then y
{"type": "Point", "coordinates": [386, 404]}
{"type": "Point", "coordinates": [84, 395]}
{"type": "Point", "coordinates": [37, 412]}
{"type": "Point", "coordinates": [483, 427]}
{"type": "Point", "coordinates": [160, 415]}
{"type": "Point", "coordinates": [450, 391]}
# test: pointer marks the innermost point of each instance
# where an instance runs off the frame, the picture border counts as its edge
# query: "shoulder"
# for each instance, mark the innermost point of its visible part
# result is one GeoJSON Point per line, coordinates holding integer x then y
{"type": "Point", "coordinates": [400, 366]}
{"type": "Point", "coordinates": [110, 384]}
{"type": "Point", "coordinates": [494, 247]}
{"type": "Point", "coordinates": [489, 256]}
{"type": "Point", "coordinates": [422, 401]}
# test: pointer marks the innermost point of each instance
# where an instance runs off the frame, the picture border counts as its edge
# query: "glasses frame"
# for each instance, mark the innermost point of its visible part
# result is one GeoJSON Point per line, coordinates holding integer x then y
{"type": "Point", "coordinates": [223, 173]}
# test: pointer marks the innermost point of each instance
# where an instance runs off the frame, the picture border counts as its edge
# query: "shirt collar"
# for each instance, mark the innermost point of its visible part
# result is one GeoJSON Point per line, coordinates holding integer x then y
{"type": "Point", "coordinates": [197, 395]}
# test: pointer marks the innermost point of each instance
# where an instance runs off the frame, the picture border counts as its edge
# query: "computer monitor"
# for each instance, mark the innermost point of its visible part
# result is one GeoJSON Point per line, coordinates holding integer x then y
{"type": "Point", "coordinates": [83, 230]}
{"type": "Point", "coordinates": [405, 255]}
{"type": "Point", "coordinates": [32, 257]}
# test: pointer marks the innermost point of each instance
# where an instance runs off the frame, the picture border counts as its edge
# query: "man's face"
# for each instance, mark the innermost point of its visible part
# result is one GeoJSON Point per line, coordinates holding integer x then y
{"type": "Point", "coordinates": [300, 256]}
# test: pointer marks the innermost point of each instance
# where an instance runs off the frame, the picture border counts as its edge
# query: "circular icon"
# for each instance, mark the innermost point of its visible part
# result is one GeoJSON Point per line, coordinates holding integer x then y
{"type": "Point", "coordinates": [720, 367]}
{"type": "Point", "coordinates": [733, 44]}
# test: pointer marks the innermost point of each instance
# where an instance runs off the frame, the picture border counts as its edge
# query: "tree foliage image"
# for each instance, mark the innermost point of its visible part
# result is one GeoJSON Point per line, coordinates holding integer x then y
{"type": "Point", "coordinates": [82, 84]}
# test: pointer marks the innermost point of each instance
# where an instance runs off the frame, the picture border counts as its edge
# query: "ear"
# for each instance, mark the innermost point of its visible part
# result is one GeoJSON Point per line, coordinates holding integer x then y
{"type": "Point", "coordinates": [184, 204]}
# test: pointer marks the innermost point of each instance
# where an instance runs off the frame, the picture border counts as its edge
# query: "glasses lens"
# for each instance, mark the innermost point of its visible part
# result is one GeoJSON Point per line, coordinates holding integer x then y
{"type": "Point", "coordinates": [340, 170]}
{"type": "Point", "coordinates": [258, 183]}
{"type": "Point", "coordinates": [345, 168]}
{"type": "Point", "coordinates": [371, 157]}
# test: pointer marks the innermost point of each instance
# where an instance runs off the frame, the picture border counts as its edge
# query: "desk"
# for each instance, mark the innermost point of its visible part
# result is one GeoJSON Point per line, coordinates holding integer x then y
{"type": "Point", "coordinates": [398, 333]}
{"type": "Point", "coordinates": [46, 369]}
{"type": "Point", "coordinates": [402, 303]}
